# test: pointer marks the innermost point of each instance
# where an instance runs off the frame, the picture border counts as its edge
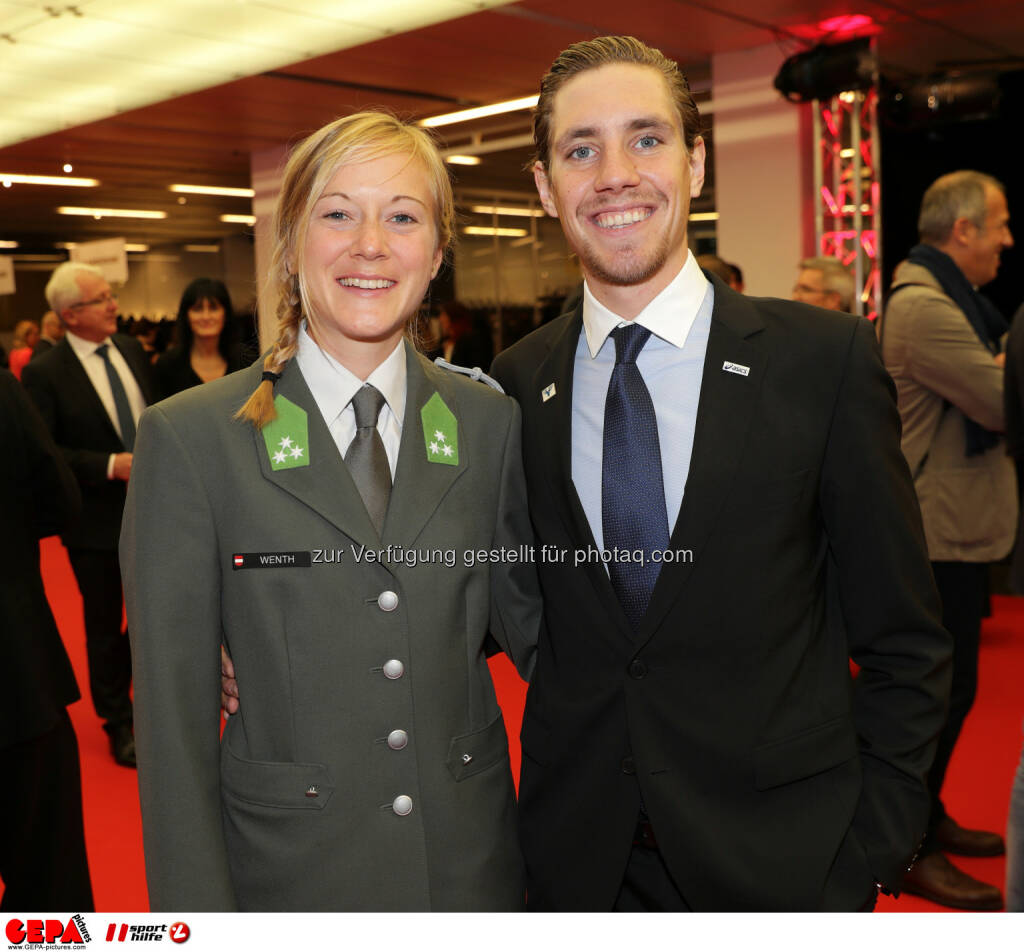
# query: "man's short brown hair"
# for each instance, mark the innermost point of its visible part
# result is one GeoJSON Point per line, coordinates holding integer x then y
{"type": "Point", "coordinates": [603, 51]}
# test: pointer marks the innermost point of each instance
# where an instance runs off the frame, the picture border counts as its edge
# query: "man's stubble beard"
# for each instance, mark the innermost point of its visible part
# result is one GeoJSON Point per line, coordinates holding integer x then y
{"type": "Point", "coordinates": [624, 271]}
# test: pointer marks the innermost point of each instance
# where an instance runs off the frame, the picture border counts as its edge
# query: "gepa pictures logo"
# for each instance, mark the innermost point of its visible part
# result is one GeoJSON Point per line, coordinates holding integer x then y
{"type": "Point", "coordinates": [51, 933]}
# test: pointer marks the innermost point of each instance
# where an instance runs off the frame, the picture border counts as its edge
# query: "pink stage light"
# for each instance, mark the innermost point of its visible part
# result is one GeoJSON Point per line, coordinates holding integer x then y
{"type": "Point", "coordinates": [845, 24]}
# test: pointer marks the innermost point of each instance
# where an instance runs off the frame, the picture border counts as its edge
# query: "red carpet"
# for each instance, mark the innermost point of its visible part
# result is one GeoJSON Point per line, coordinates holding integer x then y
{"type": "Point", "coordinates": [977, 786]}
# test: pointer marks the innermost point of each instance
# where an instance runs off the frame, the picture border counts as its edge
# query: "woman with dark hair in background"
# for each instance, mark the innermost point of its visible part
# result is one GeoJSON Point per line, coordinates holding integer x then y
{"type": "Point", "coordinates": [206, 344]}
{"type": "Point", "coordinates": [466, 340]}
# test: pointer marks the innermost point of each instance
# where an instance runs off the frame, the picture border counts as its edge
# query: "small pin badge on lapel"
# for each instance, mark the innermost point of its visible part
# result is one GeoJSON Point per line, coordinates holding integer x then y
{"type": "Point", "coordinates": [732, 368]}
{"type": "Point", "coordinates": [548, 392]}
{"type": "Point", "coordinates": [287, 437]}
{"type": "Point", "coordinates": [440, 432]}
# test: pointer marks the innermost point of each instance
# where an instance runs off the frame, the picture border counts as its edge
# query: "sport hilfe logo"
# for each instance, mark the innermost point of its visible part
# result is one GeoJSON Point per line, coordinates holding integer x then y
{"type": "Point", "coordinates": [125, 932]}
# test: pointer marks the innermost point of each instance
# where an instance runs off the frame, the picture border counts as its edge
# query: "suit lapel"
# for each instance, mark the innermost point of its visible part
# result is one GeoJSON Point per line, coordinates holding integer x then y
{"type": "Point", "coordinates": [78, 379]}
{"type": "Point", "coordinates": [419, 484]}
{"type": "Point", "coordinates": [325, 485]}
{"type": "Point", "coordinates": [136, 364]}
{"type": "Point", "coordinates": [554, 440]}
{"type": "Point", "coordinates": [728, 401]}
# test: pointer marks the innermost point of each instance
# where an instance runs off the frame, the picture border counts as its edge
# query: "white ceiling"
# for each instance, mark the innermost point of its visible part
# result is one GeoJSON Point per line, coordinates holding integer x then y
{"type": "Point", "coordinates": [62, 65]}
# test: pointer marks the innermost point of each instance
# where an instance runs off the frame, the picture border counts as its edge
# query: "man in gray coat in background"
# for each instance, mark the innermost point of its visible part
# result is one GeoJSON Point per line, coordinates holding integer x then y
{"type": "Point", "coordinates": [941, 341]}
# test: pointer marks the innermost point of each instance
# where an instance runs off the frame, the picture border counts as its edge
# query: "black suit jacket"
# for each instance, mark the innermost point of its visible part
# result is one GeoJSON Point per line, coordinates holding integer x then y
{"type": "Point", "coordinates": [773, 781]}
{"type": "Point", "coordinates": [42, 346]}
{"type": "Point", "coordinates": [80, 426]}
{"type": "Point", "coordinates": [173, 372]}
{"type": "Point", "coordinates": [40, 496]}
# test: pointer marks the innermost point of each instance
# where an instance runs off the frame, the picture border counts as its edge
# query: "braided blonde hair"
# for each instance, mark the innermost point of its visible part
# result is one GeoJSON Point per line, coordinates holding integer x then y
{"type": "Point", "coordinates": [361, 137]}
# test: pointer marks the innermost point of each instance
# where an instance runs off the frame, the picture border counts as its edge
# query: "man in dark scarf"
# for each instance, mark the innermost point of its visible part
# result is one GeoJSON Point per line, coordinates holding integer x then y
{"type": "Point", "coordinates": [942, 343]}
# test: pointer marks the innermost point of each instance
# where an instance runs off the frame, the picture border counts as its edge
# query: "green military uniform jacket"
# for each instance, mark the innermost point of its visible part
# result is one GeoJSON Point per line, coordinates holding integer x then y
{"type": "Point", "coordinates": [368, 767]}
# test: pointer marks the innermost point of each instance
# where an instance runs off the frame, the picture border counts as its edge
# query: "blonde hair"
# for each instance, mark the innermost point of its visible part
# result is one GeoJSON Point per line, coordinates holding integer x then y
{"type": "Point", "coordinates": [361, 137]}
{"type": "Point", "coordinates": [21, 330]}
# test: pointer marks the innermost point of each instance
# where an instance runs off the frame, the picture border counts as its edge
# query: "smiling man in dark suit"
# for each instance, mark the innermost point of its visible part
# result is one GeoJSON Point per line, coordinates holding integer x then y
{"type": "Point", "coordinates": [723, 478]}
{"type": "Point", "coordinates": [91, 389]}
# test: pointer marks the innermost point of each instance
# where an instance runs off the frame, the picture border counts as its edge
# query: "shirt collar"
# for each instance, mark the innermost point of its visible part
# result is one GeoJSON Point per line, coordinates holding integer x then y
{"type": "Point", "coordinates": [670, 315]}
{"type": "Point", "coordinates": [333, 386]}
{"type": "Point", "coordinates": [84, 348]}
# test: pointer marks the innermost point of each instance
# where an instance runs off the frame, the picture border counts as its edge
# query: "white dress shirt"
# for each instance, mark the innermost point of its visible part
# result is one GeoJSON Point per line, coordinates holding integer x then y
{"type": "Point", "coordinates": [96, 369]}
{"type": "Point", "coordinates": [672, 366]}
{"type": "Point", "coordinates": [333, 387]}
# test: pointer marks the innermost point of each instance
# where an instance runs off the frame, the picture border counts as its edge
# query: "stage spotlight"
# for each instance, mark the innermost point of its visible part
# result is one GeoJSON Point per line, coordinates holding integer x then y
{"type": "Point", "coordinates": [946, 98]}
{"type": "Point", "coordinates": [825, 71]}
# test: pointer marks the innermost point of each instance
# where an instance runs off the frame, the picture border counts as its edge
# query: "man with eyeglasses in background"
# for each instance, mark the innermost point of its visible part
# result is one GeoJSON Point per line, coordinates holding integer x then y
{"type": "Point", "coordinates": [91, 389]}
{"type": "Point", "coordinates": [825, 282]}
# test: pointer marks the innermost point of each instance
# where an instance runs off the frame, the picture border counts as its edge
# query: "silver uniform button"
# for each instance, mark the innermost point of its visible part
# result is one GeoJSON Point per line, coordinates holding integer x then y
{"type": "Point", "coordinates": [402, 805]}
{"type": "Point", "coordinates": [387, 601]}
{"type": "Point", "coordinates": [397, 739]}
{"type": "Point", "coordinates": [393, 669]}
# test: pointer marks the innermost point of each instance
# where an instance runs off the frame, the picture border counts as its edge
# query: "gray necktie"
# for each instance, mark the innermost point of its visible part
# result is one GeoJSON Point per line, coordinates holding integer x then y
{"type": "Point", "coordinates": [121, 404]}
{"type": "Point", "coordinates": [366, 458]}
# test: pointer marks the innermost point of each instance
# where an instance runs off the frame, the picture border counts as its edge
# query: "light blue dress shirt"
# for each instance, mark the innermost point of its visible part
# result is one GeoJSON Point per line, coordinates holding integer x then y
{"type": "Point", "coordinates": [672, 365]}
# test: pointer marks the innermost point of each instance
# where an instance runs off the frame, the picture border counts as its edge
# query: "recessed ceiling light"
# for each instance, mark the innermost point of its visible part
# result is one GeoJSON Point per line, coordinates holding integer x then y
{"type": "Point", "coordinates": [518, 211]}
{"type": "Point", "coordinates": [478, 112]}
{"type": "Point", "coordinates": [704, 216]}
{"type": "Point", "coordinates": [110, 212]}
{"type": "Point", "coordinates": [498, 232]}
{"type": "Point", "coordinates": [463, 160]}
{"type": "Point", "coordinates": [16, 178]}
{"type": "Point", "coordinates": [239, 219]}
{"type": "Point", "coordinates": [8, 244]}
{"type": "Point", "coordinates": [203, 249]}
{"type": "Point", "coordinates": [213, 190]}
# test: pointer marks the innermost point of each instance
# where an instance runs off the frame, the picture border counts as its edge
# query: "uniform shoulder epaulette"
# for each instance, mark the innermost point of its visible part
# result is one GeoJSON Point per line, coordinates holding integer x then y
{"type": "Point", "coordinates": [475, 373]}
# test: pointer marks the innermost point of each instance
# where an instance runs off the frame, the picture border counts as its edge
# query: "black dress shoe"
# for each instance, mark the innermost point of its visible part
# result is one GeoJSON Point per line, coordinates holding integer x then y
{"type": "Point", "coordinates": [934, 877]}
{"type": "Point", "coordinates": [122, 743]}
{"type": "Point", "coordinates": [953, 838]}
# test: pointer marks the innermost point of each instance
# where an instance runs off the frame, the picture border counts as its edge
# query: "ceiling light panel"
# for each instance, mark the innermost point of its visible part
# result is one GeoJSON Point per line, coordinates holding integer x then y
{"type": "Point", "coordinates": [514, 210]}
{"type": "Point", "coordinates": [110, 212]}
{"type": "Point", "coordinates": [482, 231]}
{"type": "Point", "coordinates": [124, 54]}
{"type": "Point", "coordinates": [213, 190]}
{"type": "Point", "coordinates": [67, 181]}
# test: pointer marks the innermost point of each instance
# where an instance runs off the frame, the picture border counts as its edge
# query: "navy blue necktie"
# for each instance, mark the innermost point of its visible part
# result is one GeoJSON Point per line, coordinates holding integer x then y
{"type": "Point", "coordinates": [633, 515]}
{"type": "Point", "coordinates": [121, 404]}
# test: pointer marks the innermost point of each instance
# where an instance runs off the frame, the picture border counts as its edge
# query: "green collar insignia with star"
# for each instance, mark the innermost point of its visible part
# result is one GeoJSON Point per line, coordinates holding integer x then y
{"type": "Point", "coordinates": [440, 432]}
{"type": "Point", "coordinates": [287, 437]}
